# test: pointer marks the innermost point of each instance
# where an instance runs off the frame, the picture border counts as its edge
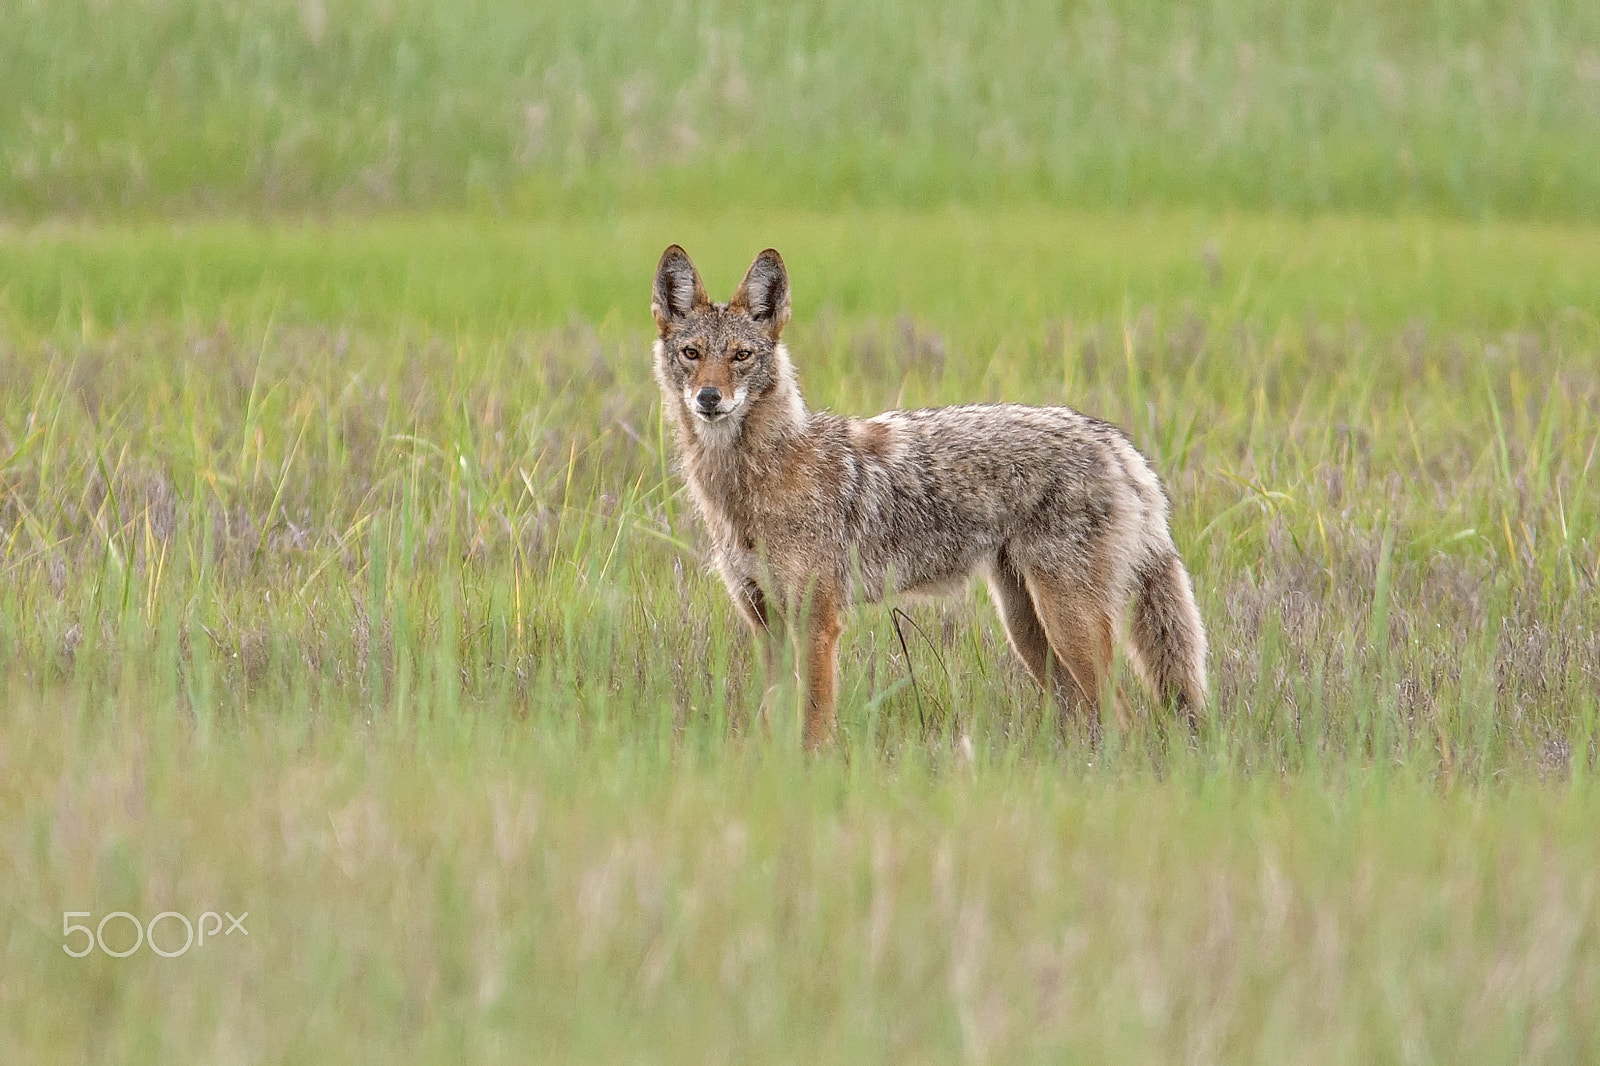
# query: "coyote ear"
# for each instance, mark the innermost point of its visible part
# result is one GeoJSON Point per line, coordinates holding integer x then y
{"type": "Point", "coordinates": [678, 289]}
{"type": "Point", "coordinates": [764, 292]}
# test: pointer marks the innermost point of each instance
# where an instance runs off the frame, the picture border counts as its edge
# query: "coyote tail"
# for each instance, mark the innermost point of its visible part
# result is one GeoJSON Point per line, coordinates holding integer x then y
{"type": "Point", "coordinates": [1167, 635]}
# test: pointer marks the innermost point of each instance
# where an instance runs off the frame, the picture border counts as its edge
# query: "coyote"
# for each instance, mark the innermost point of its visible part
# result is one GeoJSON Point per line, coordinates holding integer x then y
{"type": "Point", "coordinates": [809, 511]}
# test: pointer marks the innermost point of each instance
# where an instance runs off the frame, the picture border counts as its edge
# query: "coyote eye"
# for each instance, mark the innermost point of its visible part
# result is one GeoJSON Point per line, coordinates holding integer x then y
{"type": "Point", "coordinates": [742, 354]}
{"type": "Point", "coordinates": [690, 354]}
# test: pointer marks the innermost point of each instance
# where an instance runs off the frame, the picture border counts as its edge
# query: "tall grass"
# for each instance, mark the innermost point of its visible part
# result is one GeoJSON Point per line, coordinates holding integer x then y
{"type": "Point", "coordinates": [184, 105]}
{"type": "Point", "coordinates": [1391, 521]}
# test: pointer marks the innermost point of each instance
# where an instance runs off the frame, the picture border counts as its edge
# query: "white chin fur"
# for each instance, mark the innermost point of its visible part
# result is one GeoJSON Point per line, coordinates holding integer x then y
{"type": "Point", "coordinates": [716, 431]}
{"type": "Point", "coordinates": [722, 426]}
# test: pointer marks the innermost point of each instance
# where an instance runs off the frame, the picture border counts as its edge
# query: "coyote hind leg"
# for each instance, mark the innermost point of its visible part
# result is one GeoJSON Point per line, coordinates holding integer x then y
{"type": "Point", "coordinates": [1026, 632]}
{"type": "Point", "coordinates": [1080, 631]}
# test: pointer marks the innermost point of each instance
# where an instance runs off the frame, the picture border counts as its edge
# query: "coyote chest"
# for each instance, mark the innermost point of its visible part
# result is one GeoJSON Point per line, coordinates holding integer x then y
{"type": "Point", "coordinates": [775, 507]}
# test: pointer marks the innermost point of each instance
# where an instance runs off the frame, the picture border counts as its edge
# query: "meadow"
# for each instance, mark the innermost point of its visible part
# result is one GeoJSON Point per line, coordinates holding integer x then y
{"type": "Point", "coordinates": [347, 581]}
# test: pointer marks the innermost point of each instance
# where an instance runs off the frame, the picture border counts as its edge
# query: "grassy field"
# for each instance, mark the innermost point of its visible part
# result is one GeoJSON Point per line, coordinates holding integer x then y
{"type": "Point", "coordinates": [346, 583]}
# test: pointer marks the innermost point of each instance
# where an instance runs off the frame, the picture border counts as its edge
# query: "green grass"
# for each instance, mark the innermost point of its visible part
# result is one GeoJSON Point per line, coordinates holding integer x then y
{"type": "Point", "coordinates": [1490, 107]}
{"type": "Point", "coordinates": [346, 582]}
{"type": "Point", "coordinates": [977, 276]}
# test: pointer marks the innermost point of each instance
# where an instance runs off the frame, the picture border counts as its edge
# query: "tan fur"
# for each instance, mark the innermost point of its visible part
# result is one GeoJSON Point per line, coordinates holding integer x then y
{"type": "Point", "coordinates": [809, 512]}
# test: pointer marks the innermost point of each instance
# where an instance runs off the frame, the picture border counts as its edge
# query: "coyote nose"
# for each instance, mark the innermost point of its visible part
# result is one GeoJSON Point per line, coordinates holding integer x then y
{"type": "Point", "coordinates": [708, 398]}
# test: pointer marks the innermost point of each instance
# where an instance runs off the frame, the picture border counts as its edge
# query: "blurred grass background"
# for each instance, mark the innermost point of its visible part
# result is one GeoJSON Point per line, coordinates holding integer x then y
{"type": "Point", "coordinates": [1469, 107]}
{"type": "Point", "coordinates": [345, 578]}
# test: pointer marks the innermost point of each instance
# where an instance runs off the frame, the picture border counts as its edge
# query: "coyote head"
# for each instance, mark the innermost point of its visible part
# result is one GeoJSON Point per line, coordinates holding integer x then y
{"type": "Point", "coordinates": [719, 360]}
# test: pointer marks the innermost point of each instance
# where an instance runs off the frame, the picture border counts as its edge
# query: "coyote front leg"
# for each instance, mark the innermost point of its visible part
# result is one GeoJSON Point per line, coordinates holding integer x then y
{"type": "Point", "coordinates": [766, 625]}
{"type": "Point", "coordinates": [822, 665]}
